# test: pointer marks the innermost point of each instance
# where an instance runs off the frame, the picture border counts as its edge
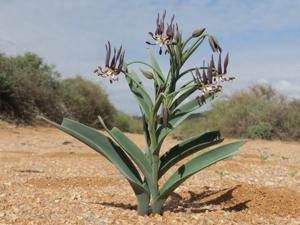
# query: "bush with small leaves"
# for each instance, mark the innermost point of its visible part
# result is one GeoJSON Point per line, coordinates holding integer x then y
{"type": "Point", "coordinates": [261, 130]}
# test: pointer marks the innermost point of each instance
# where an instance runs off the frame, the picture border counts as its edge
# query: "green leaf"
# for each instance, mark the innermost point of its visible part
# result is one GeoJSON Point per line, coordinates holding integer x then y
{"type": "Point", "coordinates": [178, 115]}
{"type": "Point", "coordinates": [133, 151]}
{"type": "Point", "coordinates": [193, 48]}
{"type": "Point", "coordinates": [130, 148]}
{"type": "Point", "coordinates": [186, 148]}
{"type": "Point", "coordinates": [140, 93]}
{"type": "Point", "coordinates": [182, 97]}
{"type": "Point", "coordinates": [158, 72]}
{"type": "Point", "coordinates": [196, 164]}
{"type": "Point", "coordinates": [178, 55]}
{"type": "Point", "coordinates": [106, 147]}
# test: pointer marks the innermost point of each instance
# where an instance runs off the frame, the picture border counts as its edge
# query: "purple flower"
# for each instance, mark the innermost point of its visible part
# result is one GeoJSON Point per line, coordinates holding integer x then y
{"type": "Point", "coordinates": [161, 37]}
{"type": "Point", "coordinates": [214, 44]}
{"type": "Point", "coordinates": [114, 66]}
{"type": "Point", "coordinates": [210, 79]}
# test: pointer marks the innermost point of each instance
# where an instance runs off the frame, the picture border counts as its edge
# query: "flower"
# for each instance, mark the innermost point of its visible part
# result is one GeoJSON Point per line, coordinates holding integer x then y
{"type": "Point", "coordinates": [112, 67]}
{"type": "Point", "coordinates": [214, 44]}
{"type": "Point", "coordinates": [210, 79]}
{"type": "Point", "coordinates": [159, 36]}
{"type": "Point", "coordinates": [220, 76]}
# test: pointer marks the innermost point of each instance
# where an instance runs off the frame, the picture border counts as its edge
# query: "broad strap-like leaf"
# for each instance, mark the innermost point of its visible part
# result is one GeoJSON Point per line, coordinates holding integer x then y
{"type": "Point", "coordinates": [130, 148]}
{"type": "Point", "coordinates": [178, 100]}
{"type": "Point", "coordinates": [187, 148]}
{"type": "Point", "coordinates": [140, 93]}
{"type": "Point", "coordinates": [133, 151]}
{"type": "Point", "coordinates": [106, 147]}
{"type": "Point", "coordinates": [158, 72]}
{"type": "Point", "coordinates": [179, 114]}
{"type": "Point", "coordinates": [196, 164]}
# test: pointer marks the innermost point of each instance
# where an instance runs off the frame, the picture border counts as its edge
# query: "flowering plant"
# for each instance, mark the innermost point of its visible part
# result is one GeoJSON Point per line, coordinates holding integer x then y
{"type": "Point", "coordinates": [172, 104]}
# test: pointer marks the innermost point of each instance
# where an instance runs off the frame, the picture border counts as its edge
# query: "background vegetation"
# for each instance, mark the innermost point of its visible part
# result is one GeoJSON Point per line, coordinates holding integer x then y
{"type": "Point", "coordinates": [258, 112]}
{"type": "Point", "coordinates": [29, 86]}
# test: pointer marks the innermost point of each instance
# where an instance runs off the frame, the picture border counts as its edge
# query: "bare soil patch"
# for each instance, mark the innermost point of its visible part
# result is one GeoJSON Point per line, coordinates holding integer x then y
{"type": "Point", "coordinates": [48, 177]}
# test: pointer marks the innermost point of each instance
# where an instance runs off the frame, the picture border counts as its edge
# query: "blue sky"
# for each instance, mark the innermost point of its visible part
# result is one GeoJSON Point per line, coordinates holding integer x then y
{"type": "Point", "coordinates": [261, 36]}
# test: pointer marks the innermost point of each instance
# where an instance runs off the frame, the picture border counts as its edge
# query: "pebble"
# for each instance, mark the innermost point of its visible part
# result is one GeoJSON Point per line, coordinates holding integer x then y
{"type": "Point", "coordinates": [269, 183]}
{"type": "Point", "coordinates": [24, 200]}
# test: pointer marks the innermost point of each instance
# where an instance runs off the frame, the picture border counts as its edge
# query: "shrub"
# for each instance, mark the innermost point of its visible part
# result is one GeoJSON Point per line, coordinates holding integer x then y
{"type": "Point", "coordinates": [31, 87]}
{"type": "Point", "coordinates": [127, 123]}
{"type": "Point", "coordinates": [85, 100]}
{"type": "Point", "coordinates": [261, 130]}
{"type": "Point", "coordinates": [257, 112]}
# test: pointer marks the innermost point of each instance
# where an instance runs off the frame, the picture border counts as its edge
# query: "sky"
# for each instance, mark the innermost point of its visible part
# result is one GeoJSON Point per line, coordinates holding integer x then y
{"type": "Point", "coordinates": [262, 37]}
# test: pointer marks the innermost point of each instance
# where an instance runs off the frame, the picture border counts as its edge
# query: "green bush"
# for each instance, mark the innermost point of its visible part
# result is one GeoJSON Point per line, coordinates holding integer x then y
{"type": "Point", "coordinates": [128, 123]}
{"type": "Point", "coordinates": [257, 112]}
{"type": "Point", "coordinates": [5, 85]}
{"type": "Point", "coordinates": [85, 100]}
{"type": "Point", "coordinates": [261, 130]}
{"type": "Point", "coordinates": [29, 87]}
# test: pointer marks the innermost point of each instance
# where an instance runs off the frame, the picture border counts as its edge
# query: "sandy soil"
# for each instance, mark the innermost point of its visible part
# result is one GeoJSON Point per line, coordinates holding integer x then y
{"type": "Point", "coordinates": [47, 177]}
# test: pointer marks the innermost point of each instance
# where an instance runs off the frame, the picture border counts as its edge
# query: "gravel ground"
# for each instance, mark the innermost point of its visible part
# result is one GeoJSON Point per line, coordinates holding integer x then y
{"type": "Point", "coordinates": [47, 177]}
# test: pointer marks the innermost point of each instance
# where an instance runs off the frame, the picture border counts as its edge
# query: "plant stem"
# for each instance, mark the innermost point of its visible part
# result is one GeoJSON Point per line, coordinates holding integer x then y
{"type": "Point", "coordinates": [143, 200]}
{"type": "Point", "coordinates": [157, 206]}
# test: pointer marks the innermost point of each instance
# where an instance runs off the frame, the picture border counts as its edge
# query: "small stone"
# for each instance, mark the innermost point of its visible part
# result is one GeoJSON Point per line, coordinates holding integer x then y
{"type": "Point", "coordinates": [7, 183]}
{"type": "Point", "coordinates": [79, 217]}
{"type": "Point", "coordinates": [75, 196]}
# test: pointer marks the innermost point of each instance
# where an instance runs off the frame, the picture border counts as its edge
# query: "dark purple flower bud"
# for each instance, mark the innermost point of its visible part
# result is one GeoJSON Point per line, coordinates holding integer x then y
{"type": "Point", "coordinates": [157, 25]}
{"type": "Point", "coordinates": [212, 62]}
{"type": "Point", "coordinates": [113, 61]}
{"type": "Point", "coordinates": [119, 53]}
{"type": "Point", "coordinates": [165, 115]}
{"type": "Point", "coordinates": [121, 62]}
{"type": "Point", "coordinates": [170, 29]}
{"type": "Point", "coordinates": [203, 71]}
{"type": "Point", "coordinates": [209, 74]}
{"type": "Point", "coordinates": [214, 44]}
{"type": "Point", "coordinates": [108, 51]}
{"type": "Point", "coordinates": [226, 63]}
{"type": "Point", "coordinates": [197, 78]}
{"type": "Point", "coordinates": [198, 73]}
{"type": "Point", "coordinates": [220, 65]}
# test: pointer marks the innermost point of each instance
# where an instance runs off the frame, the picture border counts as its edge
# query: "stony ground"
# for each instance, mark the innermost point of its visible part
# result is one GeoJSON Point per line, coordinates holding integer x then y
{"type": "Point", "coordinates": [47, 177]}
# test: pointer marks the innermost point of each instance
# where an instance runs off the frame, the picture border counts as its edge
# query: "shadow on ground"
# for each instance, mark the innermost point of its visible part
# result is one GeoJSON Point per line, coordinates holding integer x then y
{"type": "Point", "coordinates": [196, 202]}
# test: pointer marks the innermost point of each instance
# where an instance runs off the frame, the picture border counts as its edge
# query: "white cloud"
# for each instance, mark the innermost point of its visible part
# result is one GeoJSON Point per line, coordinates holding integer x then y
{"type": "Point", "coordinates": [288, 88]}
